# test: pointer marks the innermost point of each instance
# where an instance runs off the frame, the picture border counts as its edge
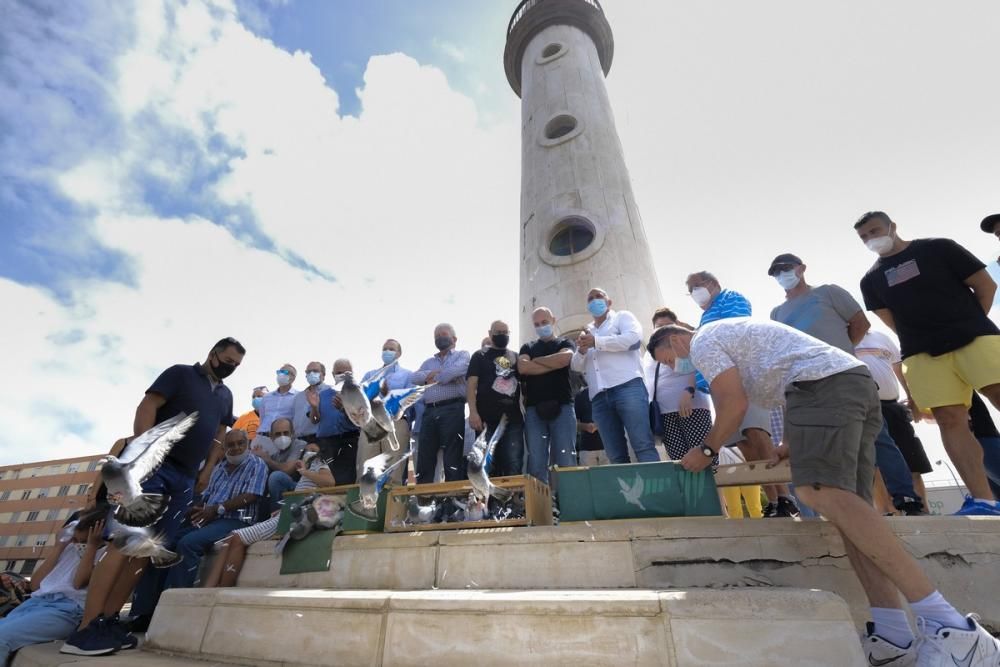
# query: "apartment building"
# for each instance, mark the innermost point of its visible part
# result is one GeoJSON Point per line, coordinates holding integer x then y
{"type": "Point", "coordinates": [35, 499]}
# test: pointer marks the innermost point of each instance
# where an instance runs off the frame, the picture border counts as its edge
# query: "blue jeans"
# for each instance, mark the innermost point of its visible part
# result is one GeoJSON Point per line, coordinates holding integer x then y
{"type": "Point", "coordinates": [895, 472]}
{"type": "Point", "coordinates": [625, 409]}
{"type": "Point", "coordinates": [39, 619]}
{"type": "Point", "coordinates": [277, 483]}
{"type": "Point", "coordinates": [550, 441]}
{"type": "Point", "coordinates": [193, 543]}
{"type": "Point", "coordinates": [179, 485]}
{"type": "Point", "coordinates": [508, 457]}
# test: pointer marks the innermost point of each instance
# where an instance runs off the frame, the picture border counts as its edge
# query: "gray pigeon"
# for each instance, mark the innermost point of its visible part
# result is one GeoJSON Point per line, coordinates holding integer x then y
{"type": "Point", "coordinates": [385, 422]}
{"type": "Point", "coordinates": [139, 460]}
{"type": "Point", "coordinates": [417, 513]}
{"type": "Point", "coordinates": [142, 543]}
{"type": "Point", "coordinates": [479, 461]}
{"type": "Point", "coordinates": [357, 407]}
{"type": "Point", "coordinates": [377, 471]}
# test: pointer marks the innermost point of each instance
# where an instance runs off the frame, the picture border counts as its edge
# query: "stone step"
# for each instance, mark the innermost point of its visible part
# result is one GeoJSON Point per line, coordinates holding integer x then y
{"type": "Point", "coordinates": [48, 655]}
{"type": "Point", "coordinates": [959, 553]}
{"type": "Point", "coordinates": [268, 627]}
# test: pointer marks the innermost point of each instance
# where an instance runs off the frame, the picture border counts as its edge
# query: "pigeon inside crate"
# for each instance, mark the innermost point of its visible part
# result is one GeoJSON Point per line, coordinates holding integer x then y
{"type": "Point", "coordinates": [437, 509]}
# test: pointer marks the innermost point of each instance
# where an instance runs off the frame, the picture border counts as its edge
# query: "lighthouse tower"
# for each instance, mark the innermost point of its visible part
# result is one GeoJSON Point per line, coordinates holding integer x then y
{"type": "Point", "coordinates": [580, 226]}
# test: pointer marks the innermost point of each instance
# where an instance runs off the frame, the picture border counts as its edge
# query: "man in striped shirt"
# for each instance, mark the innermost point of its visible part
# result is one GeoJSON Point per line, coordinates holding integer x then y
{"type": "Point", "coordinates": [237, 483]}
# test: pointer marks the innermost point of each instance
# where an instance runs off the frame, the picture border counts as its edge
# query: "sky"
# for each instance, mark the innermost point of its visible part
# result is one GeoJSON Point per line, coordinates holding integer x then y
{"type": "Point", "coordinates": [312, 177]}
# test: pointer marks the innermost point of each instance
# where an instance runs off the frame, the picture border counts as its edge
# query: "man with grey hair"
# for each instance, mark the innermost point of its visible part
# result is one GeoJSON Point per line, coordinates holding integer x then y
{"type": "Point", "coordinates": [609, 353]}
{"type": "Point", "coordinates": [442, 425]}
{"type": "Point", "coordinates": [305, 428]}
{"type": "Point", "coordinates": [276, 404]}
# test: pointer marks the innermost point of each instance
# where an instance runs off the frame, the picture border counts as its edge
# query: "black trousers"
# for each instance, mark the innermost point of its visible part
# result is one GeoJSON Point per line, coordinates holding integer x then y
{"type": "Point", "coordinates": [442, 427]}
{"type": "Point", "coordinates": [341, 454]}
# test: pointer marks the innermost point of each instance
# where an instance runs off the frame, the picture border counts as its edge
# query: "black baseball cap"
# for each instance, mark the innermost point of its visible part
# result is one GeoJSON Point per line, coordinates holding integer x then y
{"type": "Point", "coordinates": [989, 222]}
{"type": "Point", "coordinates": [781, 260]}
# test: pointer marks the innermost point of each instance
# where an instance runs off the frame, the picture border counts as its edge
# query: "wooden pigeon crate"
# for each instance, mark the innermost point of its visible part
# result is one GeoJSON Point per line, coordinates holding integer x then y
{"type": "Point", "coordinates": [352, 525]}
{"type": "Point", "coordinates": [537, 504]}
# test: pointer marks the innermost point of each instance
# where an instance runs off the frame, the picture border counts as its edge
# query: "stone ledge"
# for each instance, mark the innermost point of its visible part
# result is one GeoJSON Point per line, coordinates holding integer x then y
{"type": "Point", "coordinates": [459, 627]}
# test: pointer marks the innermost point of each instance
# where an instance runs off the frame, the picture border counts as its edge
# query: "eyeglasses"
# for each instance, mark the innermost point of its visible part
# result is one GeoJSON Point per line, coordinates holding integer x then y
{"type": "Point", "coordinates": [283, 371]}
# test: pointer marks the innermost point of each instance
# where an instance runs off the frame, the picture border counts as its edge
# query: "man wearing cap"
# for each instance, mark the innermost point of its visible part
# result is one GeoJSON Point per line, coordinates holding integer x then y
{"type": "Point", "coordinates": [831, 314]}
{"type": "Point", "coordinates": [991, 225]}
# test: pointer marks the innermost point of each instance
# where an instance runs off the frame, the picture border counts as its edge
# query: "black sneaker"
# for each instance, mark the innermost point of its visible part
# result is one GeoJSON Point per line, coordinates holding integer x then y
{"type": "Point", "coordinates": [786, 507]}
{"type": "Point", "coordinates": [911, 507]}
{"type": "Point", "coordinates": [139, 623]}
{"type": "Point", "coordinates": [95, 639]}
{"type": "Point", "coordinates": [127, 640]}
{"type": "Point", "coordinates": [771, 510]}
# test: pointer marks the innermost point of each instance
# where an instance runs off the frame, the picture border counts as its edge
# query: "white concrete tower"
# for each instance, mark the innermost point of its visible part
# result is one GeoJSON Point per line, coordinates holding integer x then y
{"type": "Point", "coordinates": [580, 226]}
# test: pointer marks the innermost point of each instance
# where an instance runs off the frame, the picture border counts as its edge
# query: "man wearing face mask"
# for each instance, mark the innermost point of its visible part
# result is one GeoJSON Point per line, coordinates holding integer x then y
{"type": "Point", "coordinates": [936, 295]}
{"type": "Point", "coordinates": [609, 354]}
{"type": "Point", "coordinates": [249, 421]}
{"type": "Point", "coordinates": [337, 436]}
{"type": "Point", "coordinates": [277, 404]}
{"type": "Point", "coordinates": [236, 485]}
{"type": "Point", "coordinates": [280, 453]}
{"type": "Point", "coordinates": [442, 425]}
{"type": "Point", "coordinates": [493, 390]}
{"type": "Point", "coordinates": [305, 427]}
{"type": "Point", "coordinates": [181, 388]}
{"type": "Point", "coordinates": [395, 377]}
{"type": "Point", "coordinates": [754, 435]}
{"type": "Point", "coordinates": [831, 314]}
{"type": "Point", "coordinates": [550, 418]}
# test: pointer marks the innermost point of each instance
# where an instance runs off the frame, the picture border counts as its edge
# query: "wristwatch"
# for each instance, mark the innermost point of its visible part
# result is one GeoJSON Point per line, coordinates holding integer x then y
{"type": "Point", "coordinates": [220, 510]}
{"type": "Point", "coordinates": [690, 390]}
{"type": "Point", "coordinates": [708, 451]}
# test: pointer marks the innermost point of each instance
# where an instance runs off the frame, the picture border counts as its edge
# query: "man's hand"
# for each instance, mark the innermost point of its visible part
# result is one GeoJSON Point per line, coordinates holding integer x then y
{"type": "Point", "coordinates": [312, 397]}
{"type": "Point", "coordinates": [585, 342]}
{"type": "Point", "coordinates": [337, 403]}
{"type": "Point", "coordinates": [202, 515]}
{"type": "Point", "coordinates": [695, 461]}
{"type": "Point", "coordinates": [914, 409]}
{"type": "Point", "coordinates": [779, 454]}
{"type": "Point", "coordinates": [684, 408]}
{"type": "Point", "coordinates": [95, 536]}
{"type": "Point", "coordinates": [590, 427]}
{"type": "Point", "coordinates": [476, 422]}
{"type": "Point", "coordinates": [431, 377]}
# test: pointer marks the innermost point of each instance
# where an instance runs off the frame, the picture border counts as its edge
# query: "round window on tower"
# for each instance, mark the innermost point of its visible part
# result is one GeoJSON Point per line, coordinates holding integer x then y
{"type": "Point", "coordinates": [560, 128]}
{"type": "Point", "coordinates": [571, 239]}
{"type": "Point", "coordinates": [572, 236]}
{"type": "Point", "coordinates": [551, 51]}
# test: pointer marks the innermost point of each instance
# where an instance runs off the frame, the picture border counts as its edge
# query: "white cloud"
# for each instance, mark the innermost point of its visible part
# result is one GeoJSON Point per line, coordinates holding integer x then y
{"type": "Point", "coordinates": [404, 205]}
{"type": "Point", "coordinates": [450, 50]}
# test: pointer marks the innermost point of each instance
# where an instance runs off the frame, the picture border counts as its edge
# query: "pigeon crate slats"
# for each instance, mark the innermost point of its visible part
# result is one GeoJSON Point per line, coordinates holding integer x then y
{"type": "Point", "coordinates": [537, 504]}
{"type": "Point", "coordinates": [351, 525]}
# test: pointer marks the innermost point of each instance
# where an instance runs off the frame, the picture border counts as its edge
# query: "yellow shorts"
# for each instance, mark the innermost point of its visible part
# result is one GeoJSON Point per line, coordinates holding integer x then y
{"type": "Point", "coordinates": [949, 379]}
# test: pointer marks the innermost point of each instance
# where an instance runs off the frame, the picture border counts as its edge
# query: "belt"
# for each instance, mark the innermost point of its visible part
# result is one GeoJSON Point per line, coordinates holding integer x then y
{"type": "Point", "coordinates": [447, 401]}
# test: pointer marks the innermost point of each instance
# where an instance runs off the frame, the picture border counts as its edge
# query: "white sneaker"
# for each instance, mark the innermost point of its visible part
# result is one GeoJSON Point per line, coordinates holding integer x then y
{"type": "Point", "coordinates": [957, 647]}
{"type": "Point", "coordinates": [881, 651]}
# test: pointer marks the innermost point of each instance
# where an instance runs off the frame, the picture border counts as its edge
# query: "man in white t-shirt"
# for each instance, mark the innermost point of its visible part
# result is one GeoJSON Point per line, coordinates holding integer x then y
{"type": "Point", "coordinates": [832, 416]}
{"type": "Point", "coordinates": [881, 354]}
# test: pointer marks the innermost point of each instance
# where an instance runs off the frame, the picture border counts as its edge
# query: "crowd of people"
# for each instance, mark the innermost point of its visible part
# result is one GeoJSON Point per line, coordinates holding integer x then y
{"type": "Point", "coordinates": [814, 384]}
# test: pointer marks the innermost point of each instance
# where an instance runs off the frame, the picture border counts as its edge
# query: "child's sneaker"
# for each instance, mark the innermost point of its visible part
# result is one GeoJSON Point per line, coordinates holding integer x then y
{"type": "Point", "coordinates": [95, 639]}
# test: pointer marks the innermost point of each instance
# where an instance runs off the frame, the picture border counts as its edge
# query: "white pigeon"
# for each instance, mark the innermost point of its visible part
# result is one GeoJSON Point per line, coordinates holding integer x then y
{"type": "Point", "coordinates": [377, 471]}
{"type": "Point", "coordinates": [480, 459]}
{"type": "Point", "coordinates": [142, 543]}
{"type": "Point", "coordinates": [124, 476]}
{"type": "Point", "coordinates": [633, 493]}
{"type": "Point", "coordinates": [385, 422]}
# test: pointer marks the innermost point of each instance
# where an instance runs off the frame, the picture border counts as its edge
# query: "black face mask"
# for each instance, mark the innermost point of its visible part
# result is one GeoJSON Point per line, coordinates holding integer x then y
{"type": "Point", "coordinates": [442, 342]}
{"type": "Point", "coordinates": [222, 370]}
{"type": "Point", "coordinates": [500, 340]}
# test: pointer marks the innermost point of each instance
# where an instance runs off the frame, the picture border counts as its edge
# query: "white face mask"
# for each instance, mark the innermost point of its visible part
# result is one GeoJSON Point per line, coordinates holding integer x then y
{"type": "Point", "coordinates": [283, 442]}
{"type": "Point", "coordinates": [701, 296]}
{"type": "Point", "coordinates": [313, 378]}
{"type": "Point", "coordinates": [236, 459]}
{"type": "Point", "coordinates": [283, 379]}
{"type": "Point", "coordinates": [788, 280]}
{"type": "Point", "coordinates": [879, 245]}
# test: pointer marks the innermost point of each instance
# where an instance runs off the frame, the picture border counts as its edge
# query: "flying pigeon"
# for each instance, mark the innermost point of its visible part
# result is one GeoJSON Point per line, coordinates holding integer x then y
{"type": "Point", "coordinates": [479, 461]}
{"type": "Point", "coordinates": [357, 406]}
{"type": "Point", "coordinates": [382, 419]}
{"type": "Point", "coordinates": [124, 476]}
{"type": "Point", "coordinates": [398, 401]}
{"type": "Point", "coordinates": [142, 543]}
{"type": "Point", "coordinates": [377, 471]}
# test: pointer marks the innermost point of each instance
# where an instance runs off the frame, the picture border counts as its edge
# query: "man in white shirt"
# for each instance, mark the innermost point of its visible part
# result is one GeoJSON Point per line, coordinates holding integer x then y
{"type": "Point", "coordinates": [609, 353]}
{"type": "Point", "coordinates": [832, 418]}
{"type": "Point", "coordinates": [881, 354]}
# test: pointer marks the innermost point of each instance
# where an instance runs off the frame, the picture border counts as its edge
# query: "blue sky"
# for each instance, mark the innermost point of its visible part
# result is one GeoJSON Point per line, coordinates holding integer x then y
{"type": "Point", "coordinates": [313, 177]}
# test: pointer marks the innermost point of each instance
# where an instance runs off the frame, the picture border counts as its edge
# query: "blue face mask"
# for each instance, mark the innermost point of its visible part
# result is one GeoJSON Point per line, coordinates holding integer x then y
{"type": "Point", "coordinates": [684, 366]}
{"type": "Point", "coordinates": [388, 356]}
{"type": "Point", "coordinates": [257, 400]}
{"type": "Point", "coordinates": [544, 331]}
{"type": "Point", "coordinates": [597, 307]}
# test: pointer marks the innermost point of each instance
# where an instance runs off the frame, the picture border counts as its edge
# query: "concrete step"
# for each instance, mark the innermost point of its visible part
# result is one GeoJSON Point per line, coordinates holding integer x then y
{"type": "Point", "coordinates": [48, 655]}
{"type": "Point", "coordinates": [268, 627]}
{"type": "Point", "coordinates": [959, 553]}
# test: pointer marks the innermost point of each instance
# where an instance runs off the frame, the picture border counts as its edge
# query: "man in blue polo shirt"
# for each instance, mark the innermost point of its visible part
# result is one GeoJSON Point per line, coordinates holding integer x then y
{"type": "Point", "coordinates": [187, 389]}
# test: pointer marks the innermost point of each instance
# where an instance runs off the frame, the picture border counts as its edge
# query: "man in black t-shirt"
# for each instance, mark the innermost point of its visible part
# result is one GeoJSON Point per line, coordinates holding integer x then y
{"type": "Point", "coordinates": [492, 390]}
{"type": "Point", "coordinates": [550, 420]}
{"type": "Point", "coordinates": [935, 295]}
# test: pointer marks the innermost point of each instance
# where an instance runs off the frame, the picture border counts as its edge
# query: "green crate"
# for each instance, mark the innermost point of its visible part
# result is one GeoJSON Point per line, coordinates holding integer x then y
{"type": "Point", "coordinates": [635, 491]}
{"type": "Point", "coordinates": [354, 524]}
